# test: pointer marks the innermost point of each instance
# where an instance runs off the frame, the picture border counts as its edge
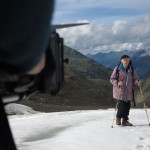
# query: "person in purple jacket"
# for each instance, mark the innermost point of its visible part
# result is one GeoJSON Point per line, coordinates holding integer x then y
{"type": "Point", "coordinates": [123, 78]}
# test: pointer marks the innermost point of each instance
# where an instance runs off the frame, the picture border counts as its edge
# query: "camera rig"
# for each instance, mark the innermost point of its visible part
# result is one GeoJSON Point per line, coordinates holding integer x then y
{"type": "Point", "coordinates": [49, 80]}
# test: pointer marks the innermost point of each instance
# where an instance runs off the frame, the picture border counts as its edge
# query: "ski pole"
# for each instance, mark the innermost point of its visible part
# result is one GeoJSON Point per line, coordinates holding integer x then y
{"type": "Point", "coordinates": [114, 114]}
{"type": "Point", "coordinates": [144, 105]}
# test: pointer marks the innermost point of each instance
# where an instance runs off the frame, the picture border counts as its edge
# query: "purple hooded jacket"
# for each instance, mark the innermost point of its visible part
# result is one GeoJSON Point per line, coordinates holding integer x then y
{"type": "Point", "coordinates": [123, 92]}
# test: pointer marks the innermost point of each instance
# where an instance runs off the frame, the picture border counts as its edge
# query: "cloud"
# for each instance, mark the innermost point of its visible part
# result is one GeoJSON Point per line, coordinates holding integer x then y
{"type": "Point", "coordinates": [118, 35]}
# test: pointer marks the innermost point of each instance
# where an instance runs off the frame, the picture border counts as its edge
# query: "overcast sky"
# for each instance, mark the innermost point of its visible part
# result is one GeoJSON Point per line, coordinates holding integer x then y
{"type": "Point", "coordinates": [114, 24]}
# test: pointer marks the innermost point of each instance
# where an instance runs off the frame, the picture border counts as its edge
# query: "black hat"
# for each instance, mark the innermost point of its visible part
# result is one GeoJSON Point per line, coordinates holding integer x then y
{"type": "Point", "coordinates": [124, 56]}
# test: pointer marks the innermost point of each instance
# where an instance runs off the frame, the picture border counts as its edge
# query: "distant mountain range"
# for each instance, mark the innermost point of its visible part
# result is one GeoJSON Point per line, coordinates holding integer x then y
{"type": "Point", "coordinates": [140, 59]}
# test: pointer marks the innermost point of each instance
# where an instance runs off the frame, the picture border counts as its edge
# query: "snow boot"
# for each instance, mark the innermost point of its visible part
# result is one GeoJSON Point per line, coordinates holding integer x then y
{"type": "Point", "coordinates": [126, 123]}
{"type": "Point", "coordinates": [118, 121]}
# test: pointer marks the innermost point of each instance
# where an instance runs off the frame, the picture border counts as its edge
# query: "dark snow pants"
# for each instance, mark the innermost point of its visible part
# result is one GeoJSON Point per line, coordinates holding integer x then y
{"type": "Point", "coordinates": [123, 109]}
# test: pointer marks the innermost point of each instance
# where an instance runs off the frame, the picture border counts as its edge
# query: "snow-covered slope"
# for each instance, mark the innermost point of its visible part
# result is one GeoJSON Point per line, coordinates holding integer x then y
{"type": "Point", "coordinates": [80, 130]}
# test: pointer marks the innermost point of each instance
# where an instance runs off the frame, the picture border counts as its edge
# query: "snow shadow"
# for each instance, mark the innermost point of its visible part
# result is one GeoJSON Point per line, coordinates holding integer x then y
{"type": "Point", "coordinates": [46, 134]}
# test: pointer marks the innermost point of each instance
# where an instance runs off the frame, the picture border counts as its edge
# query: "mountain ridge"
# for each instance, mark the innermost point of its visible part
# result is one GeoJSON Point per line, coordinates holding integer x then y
{"type": "Point", "coordinates": [86, 66]}
{"type": "Point", "coordinates": [140, 59]}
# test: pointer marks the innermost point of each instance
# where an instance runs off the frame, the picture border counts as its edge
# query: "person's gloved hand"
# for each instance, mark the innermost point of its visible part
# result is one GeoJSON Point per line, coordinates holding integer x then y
{"type": "Point", "coordinates": [120, 84]}
{"type": "Point", "coordinates": [139, 83]}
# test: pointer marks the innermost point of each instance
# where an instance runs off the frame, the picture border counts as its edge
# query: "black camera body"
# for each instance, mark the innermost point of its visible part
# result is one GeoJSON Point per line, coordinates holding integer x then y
{"type": "Point", "coordinates": [52, 77]}
{"type": "Point", "coordinates": [49, 80]}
